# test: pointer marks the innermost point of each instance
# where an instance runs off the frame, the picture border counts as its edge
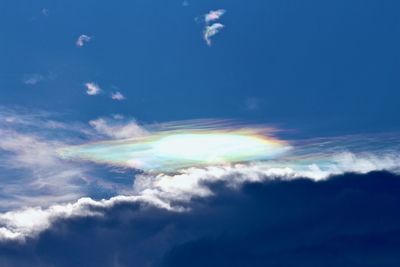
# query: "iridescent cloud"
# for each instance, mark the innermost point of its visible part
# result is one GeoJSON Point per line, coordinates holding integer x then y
{"type": "Point", "coordinates": [181, 146]}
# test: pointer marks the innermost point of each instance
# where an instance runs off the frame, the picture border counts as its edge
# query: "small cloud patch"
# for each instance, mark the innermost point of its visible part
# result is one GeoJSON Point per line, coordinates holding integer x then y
{"type": "Point", "coordinates": [117, 96]}
{"type": "Point", "coordinates": [92, 88]}
{"type": "Point", "coordinates": [82, 40]}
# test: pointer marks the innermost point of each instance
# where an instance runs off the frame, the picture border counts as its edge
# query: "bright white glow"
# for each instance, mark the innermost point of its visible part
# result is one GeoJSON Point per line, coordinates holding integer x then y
{"type": "Point", "coordinates": [211, 148]}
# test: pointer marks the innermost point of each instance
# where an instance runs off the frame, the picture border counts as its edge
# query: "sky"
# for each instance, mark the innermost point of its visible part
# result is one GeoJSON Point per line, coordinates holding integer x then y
{"type": "Point", "coordinates": [199, 133]}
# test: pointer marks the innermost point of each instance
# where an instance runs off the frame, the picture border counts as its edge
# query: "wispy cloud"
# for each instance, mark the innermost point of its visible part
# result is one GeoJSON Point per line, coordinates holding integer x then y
{"type": "Point", "coordinates": [212, 30]}
{"type": "Point", "coordinates": [32, 172]}
{"type": "Point", "coordinates": [33, 79]}
{"type": "Point", "coordinates": [214, 15]}
{"type": "Point", "coordinates": [173, 191]}
{"type": "Point", "coordinates": [92, 88]}
{"type": "Point", "coordinates": [118, 128]}
{"type": "Point", "coordinates": [44, 187]}
{"type": "Point", "coordinates": [117, 96]}
{"type": "Point", "coordinates": [82, 39]}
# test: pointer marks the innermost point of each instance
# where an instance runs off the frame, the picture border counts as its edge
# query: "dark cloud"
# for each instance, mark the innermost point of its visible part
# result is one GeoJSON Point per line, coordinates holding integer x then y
{"type": "Point", "coordinates": [350, 220]}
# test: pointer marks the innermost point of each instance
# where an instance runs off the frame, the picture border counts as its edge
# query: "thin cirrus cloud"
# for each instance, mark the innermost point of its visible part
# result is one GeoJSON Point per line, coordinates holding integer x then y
{"type": "Point", "coordinates": [35, 78]}
{"type": "Point", "coordinates": [117, 96]}
{"type": "Point", "coordinates": [82, 40]}
{"type": "Point", "coordinates": [92, 89]}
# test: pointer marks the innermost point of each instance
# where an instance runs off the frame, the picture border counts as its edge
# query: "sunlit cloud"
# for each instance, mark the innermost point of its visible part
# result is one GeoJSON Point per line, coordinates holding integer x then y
{"type": "Point", "coordinates": [117, 96]}
{"type": "Point", "coordinates": [118, 128]}
{"type": "Point", "coordinates": [167, 164]}
{"type": "Point", "coordinates": [82, 39]}
{"type": "Point", "coordinates": [184, 145]}
{"type": "Point", "coordinates": [214, 15]}
{"type": "Point", "coordinates": [210, 31]}
{"type": "Point", "coordinates": [92, 88]}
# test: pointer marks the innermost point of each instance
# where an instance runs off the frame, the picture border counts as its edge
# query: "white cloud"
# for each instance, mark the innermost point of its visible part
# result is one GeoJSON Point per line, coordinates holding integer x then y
{"type": "Point", "coordinates": [82, 39]}
{"type": "Point", "coordinates": [118, 129]}
{"type": "Point", "coordinates": [19, 224]}
{"type": "Point", "coordinates": [161, 190]}
{"type": "Point", "coordinates": [117, 96]}
{"type": "Point", "coordinates": [92, 88]}
{"type": "Point", "coordinates": [47, 188]}
{"type": "Point", "coordinates": [214, 15]}
{"type": "Point", "coordinates": [210, 31]}
{"type": "Point", "coordinates": [42, 173]}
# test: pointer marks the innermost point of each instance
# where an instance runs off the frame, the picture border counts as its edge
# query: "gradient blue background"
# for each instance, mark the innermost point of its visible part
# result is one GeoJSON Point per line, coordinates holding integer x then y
{"type": "Point", "coordinates": [320, 67]}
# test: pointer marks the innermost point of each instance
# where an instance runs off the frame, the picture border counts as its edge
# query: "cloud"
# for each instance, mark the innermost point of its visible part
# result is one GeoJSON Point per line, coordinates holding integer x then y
{"type": "Point", "coordinates": [92, 88]}
{"type": "Point", "coordinates": [214, 15]}
{"type": "Point", "coordinates": [28, 222]}
{"type": "Point", "coordinates": [285, 223]}
{"type": "Point", "coordinates": [40, 189]}
{"type": "Point", "coordinates": [176, 192]}
{"type": "Point", "coordinates": [211, 30]}
{"type": "Point", "coordinates": [82, 39]}
{"type": "Point", "coordinates": [33, 79]}
{"type": "Point", "coordinates": [118, 129]}
{"type": "Point", "coordinates": [117, 96]}
{"type": "Point", "coordinates": [32, 172]}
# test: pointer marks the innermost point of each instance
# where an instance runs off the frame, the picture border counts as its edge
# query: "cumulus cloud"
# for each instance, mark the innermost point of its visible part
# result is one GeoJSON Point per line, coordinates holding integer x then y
{"type": "Point", "coordinates": [28, 222]}
{"type": "Point", "coordinates": [214, 15]}
{"type": "Point", "coordinates": [211, 30]}
{"type": "Point", "coordinates": [82, 39]}
{"type": "Point", "coordinates": [287, 223]}
{"type": "Point", "coordinates": [117, 96]}
{"type": "Point", "coordinates": [118, 128]}
{"type": "Point", "coordinates": [33, 176]}
{"type": "Point", "coordinates": [92, 88]}
{"type": "Point", "coordinates": [172, 191]}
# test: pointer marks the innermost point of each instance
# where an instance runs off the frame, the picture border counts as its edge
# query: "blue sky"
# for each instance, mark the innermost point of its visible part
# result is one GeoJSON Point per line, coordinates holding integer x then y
{"type": "Point", "coordinates": [160, 132]}
{"type": "Point", "coordinates": [320, 67]}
